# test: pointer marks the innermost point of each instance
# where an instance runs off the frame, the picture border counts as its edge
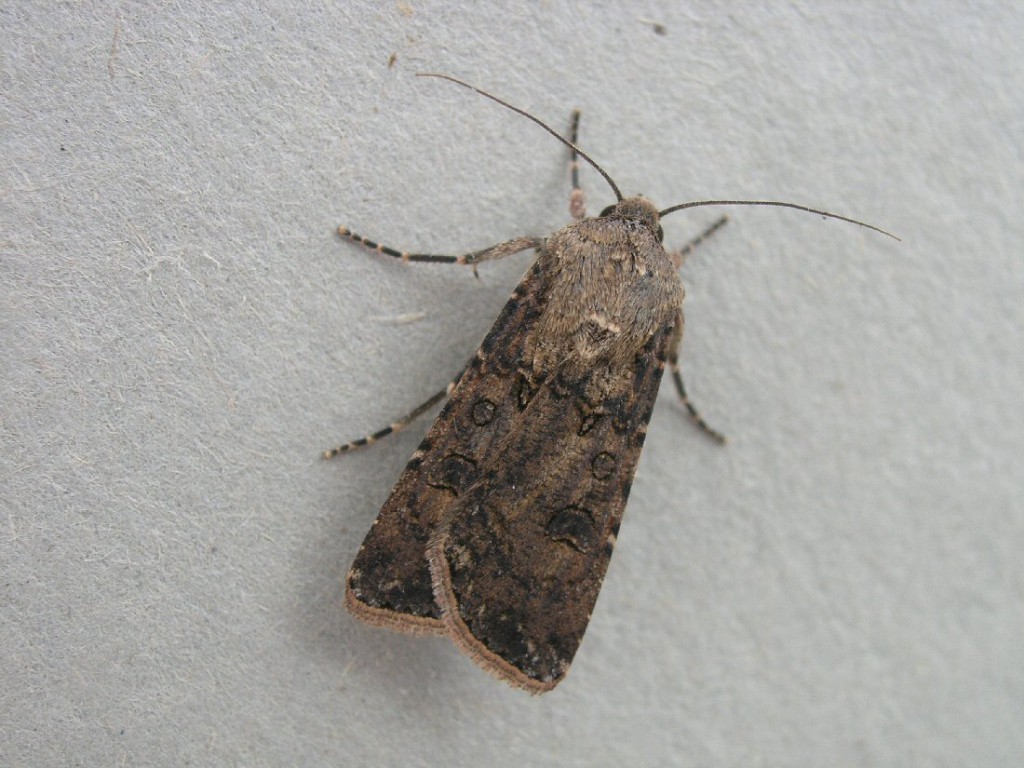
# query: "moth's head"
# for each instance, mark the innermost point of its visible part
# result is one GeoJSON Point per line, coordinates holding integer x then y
{"type": "Point", "coordinates": [636, 209]}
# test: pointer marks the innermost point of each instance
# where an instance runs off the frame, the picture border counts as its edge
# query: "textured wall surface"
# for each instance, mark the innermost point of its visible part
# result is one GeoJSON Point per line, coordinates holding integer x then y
{"type": "Point", "coordinates": [182, 333]}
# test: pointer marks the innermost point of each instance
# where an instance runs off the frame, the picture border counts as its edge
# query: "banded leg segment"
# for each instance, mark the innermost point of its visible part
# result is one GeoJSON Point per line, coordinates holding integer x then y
{"type": "Point", "coordinates": [677, 378]}
{"type": "Point", "coordinates": [403, 422]}
{"type": "Point", "coordinates": [499, 251]}
{"type": "Point", "coordinates": [680, 255]}
{"type": "Point", "coordinates": [577, 202]}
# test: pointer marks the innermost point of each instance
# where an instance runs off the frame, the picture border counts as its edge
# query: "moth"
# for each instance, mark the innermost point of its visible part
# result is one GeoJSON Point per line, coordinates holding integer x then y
{"type": "Point", "coordinates": [500, 529]}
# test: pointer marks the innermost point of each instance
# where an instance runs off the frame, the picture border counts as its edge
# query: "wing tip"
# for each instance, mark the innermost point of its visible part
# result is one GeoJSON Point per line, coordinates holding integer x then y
{"type": "Point", "coordinates": [464, 639]}
{"type": "Point", "coordinates": [393, 620]}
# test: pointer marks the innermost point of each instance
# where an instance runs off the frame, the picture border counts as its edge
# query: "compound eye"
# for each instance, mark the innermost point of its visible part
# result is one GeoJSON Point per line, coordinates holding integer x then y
{"type": "Point", "coordinates": [661, 233]}
{"type": "Point", "coordinates": [607, 211]}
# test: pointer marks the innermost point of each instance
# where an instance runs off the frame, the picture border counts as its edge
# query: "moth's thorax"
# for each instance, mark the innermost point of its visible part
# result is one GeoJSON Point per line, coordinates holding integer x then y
{"type": "Point", "coordinates": [610, 287]}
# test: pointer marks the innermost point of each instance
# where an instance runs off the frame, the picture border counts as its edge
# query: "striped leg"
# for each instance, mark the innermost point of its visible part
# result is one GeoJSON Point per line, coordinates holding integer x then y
{"type": "Point", "coordinates": [403, 422]}
{"type": "Point", "coordinates": [677, 377]}
{"type": "Point", "coordinates": [686, 250]}
{"type": "Point", "coordinates": [577, 202]}
{"type": "Point", "coordinates": [499, 251]}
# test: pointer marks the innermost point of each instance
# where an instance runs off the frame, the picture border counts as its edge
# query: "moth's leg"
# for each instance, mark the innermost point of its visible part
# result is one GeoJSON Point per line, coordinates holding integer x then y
{"type": "Point", "coordinates": [681, 254]}
{"type": "Point", "coordinates": [499, 251]}
{"type": "Point", "coordinates": [400, 424]}
{"type": "Point", "coordinates": [577, 202]}
{"type": "Point", "coordinates": [677, 377]}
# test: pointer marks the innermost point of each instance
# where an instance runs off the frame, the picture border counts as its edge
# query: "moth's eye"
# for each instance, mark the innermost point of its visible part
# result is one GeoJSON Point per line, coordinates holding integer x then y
{"type": "Point", "coordinates": [661, 233]}
{"type": "Point", "coordinates": [607, 211]}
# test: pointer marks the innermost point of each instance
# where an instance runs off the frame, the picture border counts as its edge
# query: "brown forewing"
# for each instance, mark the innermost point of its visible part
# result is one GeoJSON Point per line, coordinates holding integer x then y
{"type": "Point", "coordinates": [518, 564]}
{"type": "Point", "coordinates": [389, 583]}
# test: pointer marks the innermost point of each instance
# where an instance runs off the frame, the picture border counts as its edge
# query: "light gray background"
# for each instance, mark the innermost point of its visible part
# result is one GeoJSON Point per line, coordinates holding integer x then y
{"type": "Point", "coordinates": [183, 333]}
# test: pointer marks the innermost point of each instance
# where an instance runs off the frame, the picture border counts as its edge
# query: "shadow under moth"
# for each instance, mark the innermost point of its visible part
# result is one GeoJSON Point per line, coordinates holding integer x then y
{"type": "Point", "coordinates": [500, 529]}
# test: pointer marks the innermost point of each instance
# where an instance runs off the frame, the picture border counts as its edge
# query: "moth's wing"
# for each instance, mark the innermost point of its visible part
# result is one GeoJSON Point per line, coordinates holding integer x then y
{"type": "Point", "coordinates": [518, 568]}
{"type": "Point", "coordinates": [389, 583]}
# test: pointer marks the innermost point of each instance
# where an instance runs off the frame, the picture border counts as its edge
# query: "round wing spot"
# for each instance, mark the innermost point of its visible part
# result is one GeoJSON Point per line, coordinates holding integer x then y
{"type": "Point", "coordinates": [573, 526]}
{"type": "Point", "coordinates": [603, 466]}
{"type": "Point", "coordinates": [483, 412]}
{"type": "Point", "coordinates": [453, 473]}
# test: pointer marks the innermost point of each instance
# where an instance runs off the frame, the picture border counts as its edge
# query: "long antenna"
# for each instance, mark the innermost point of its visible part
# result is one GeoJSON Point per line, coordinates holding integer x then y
{"type": "Point", "coordinates": [524, 113]}
{"type": "Point", "coordinates": [826, 214]}
{"type": "Point", "coordinates": [615, 188]}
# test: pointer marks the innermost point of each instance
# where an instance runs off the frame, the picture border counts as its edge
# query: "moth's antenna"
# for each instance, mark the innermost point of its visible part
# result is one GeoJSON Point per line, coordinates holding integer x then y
{"type": "Point", "coordinates": [524, 113]}
{"type": "Point", "coordinates": [826, 214]}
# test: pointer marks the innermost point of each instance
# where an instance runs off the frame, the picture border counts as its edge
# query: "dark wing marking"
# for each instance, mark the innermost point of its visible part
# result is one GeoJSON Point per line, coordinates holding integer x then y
{"type": "Point", "coordinates": [389, 583]}
{"type": "Point", "coordinates": [519, 565]}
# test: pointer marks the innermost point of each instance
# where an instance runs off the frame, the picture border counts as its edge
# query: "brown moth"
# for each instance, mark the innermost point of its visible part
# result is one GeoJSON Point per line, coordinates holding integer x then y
{"type": "Point", "coordinates": [501, 527]}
